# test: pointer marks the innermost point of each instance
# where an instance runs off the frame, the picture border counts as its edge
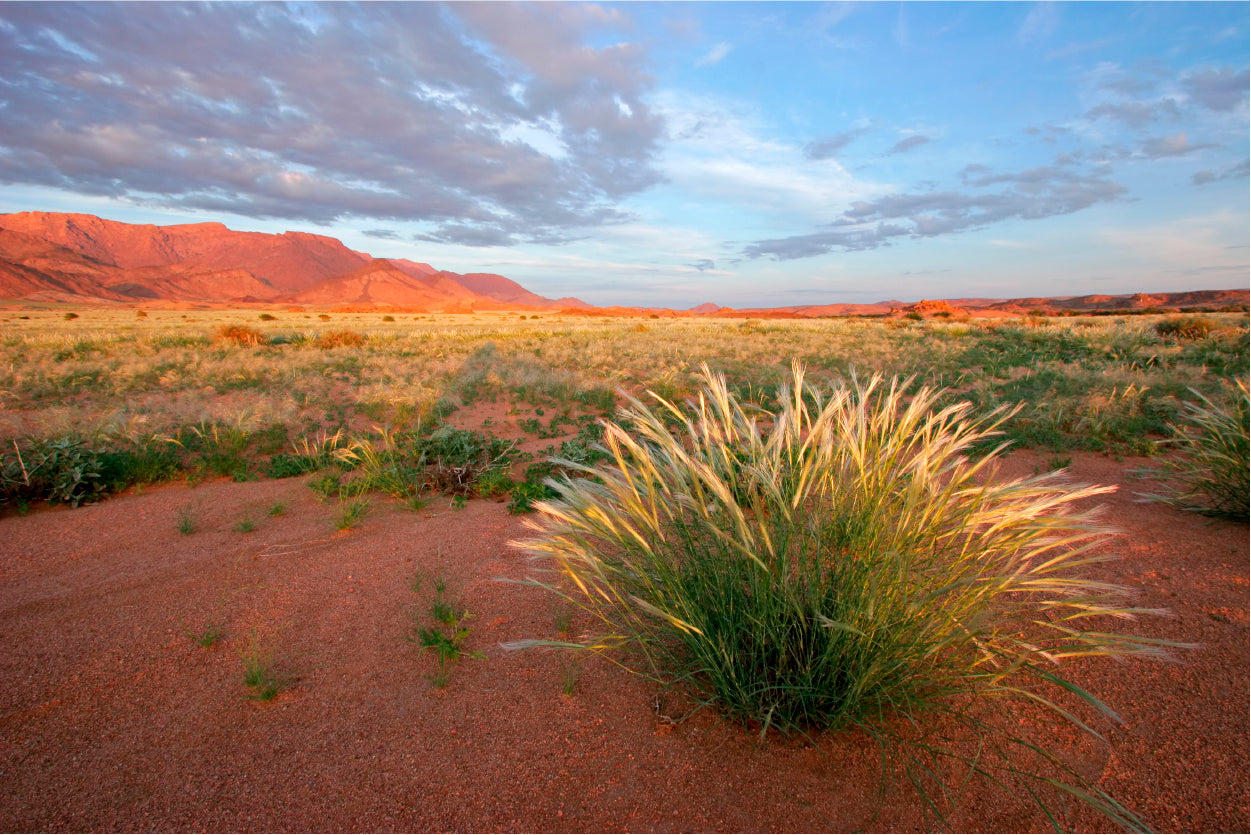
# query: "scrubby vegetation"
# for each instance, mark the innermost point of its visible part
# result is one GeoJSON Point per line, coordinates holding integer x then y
{"type": "Point", "coordinates": [838, 562]}
{"type": "Point", "coordinates": [132, 400]}
{"type": "Point", "coordinates": [1211, 474]}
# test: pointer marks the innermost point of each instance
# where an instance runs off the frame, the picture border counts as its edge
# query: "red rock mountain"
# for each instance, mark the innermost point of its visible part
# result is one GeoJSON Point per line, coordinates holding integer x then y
{"type": "Point", "coordinates": [46, 256]}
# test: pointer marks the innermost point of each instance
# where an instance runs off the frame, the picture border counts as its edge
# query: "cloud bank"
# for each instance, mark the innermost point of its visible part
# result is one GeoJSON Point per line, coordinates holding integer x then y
{"type": "Point", "coordinates": [490, 123]}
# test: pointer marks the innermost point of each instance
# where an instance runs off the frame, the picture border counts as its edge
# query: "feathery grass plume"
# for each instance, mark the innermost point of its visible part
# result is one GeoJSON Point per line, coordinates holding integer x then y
{"type": "Point", "coordinates": [841, 564]}
{"type": "Point", "coordinates": [1212, 475]}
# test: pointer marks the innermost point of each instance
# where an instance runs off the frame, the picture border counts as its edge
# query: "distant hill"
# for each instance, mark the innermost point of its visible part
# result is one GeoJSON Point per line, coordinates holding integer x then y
{"type": "Point", "coordinates": [48, 256]}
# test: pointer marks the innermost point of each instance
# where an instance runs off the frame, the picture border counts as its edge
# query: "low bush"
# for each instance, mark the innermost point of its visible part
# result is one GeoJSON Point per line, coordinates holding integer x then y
{"type": "Point", "coordinates": [340, 339]}
{"type": "Point", "coordinates": [1186, 327]}
{"type": "Point", "coordinates": [457, 458]}
{"type": "Point", "coordinates": [849, 566]}
{"type": "Point", "coordinates": [239, 335]}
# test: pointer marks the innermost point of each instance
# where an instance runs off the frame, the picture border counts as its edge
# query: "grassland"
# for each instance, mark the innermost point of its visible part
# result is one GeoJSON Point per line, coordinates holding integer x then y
{"type": "Point", "coordinates": [234, 388]}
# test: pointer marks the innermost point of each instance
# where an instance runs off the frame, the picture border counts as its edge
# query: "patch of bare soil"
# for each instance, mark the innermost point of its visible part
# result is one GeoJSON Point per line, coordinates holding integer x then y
{"type": "Point", "coordinates": [113, 718]}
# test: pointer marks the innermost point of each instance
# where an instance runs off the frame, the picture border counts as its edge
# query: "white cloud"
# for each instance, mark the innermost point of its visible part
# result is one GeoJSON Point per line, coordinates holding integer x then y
{"type": "Point", "coordinates": [720, 150]}
{"type": "Point", "coordinates": [715, 55]}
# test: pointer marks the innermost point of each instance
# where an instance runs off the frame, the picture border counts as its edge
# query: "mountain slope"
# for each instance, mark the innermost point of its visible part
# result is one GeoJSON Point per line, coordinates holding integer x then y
{"type": "Point", "coordinates": [292, 261]}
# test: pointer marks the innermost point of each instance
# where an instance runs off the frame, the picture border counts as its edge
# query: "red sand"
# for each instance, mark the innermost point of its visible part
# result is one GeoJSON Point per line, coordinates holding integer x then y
{"type": "Point", "coordinates": [114, 719]}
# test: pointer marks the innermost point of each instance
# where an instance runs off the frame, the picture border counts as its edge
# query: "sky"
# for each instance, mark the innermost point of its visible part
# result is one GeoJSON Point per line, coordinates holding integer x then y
{"type": "Point", "coordinates": [662, 154]}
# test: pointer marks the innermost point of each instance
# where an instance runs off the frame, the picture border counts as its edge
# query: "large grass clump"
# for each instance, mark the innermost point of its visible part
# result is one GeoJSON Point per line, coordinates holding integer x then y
{"type": "Point", "coordinates": [841, 563]}
{"type": "Point", "coordinates": [1211, 474]}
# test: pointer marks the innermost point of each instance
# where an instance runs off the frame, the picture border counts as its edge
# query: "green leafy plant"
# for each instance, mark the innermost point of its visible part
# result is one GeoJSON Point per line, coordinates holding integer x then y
{"type": "Point", "coordinates": [207, 635]}
{"type": "Point", "coordinates": [187, 524]}
{"type": "Point", "coordinates": [61, 470]}
{"type": "Point", "coordinates": [386, 465]}
{"type": "Point", "coordinates": [351, 513]}
{"type": "Point", "coordinates": [245, 525]}
{"type": "Point", "coordinates": [259, 672]}
{"type": "Point", "coordinates": [1211, 474]}
{"type": "Point", "coordinates": [326, 486]}
{"type": "Point", "coordinates": [843, 563]}
{"type": "Point", "coordinates": [457, 458]}
{"type": "Point", "coordinates": [277, 509]}
{"type": "Point", "coordinates": [446, 637]}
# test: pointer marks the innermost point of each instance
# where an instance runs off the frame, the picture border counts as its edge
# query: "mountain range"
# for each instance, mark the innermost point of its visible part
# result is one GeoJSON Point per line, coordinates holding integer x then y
{"type": "Point", "coordinates": [54, 257]}
{"type": "Point", "coordinates": [81, 258]}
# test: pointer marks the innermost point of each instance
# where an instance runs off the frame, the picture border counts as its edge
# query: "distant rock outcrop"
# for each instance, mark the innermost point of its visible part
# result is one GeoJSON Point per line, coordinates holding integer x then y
{"type": "Point", "coordinates": [48, 256]}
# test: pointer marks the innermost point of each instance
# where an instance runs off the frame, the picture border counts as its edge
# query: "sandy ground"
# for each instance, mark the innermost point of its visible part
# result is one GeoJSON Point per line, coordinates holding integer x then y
{"type": "Point", "coordinates": [113, 718]}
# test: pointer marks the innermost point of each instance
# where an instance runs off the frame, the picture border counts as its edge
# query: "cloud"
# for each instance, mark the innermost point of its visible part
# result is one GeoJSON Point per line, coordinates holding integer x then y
{"type": "Point", "coordinates": [1136, 114]}
{"type": "Point", "coordinates": [720, 152]}
{"type": "Point", "coordinates": [1170, 146]}
{"type": "Point", "coordinates": [1039, 24]}
{"type": "Point", "coordinates": [704, 264]}
{"type": "Point", "coordinates": [381, 234]}
{"type": "Point", "coordinates": [907, 144]}
{"type": "Point", "coordinates": [1233, 172]}
{"type": "Point", "coordinates": [1222, 89]}
{"type": "Point", "coordinates": [714, 55]}
{"type": "Point", "coordinates": [488, 122]}
{"type": "Point", "coordinates": [831, 145]}
{"type": "Point", "coordinates": [1032, 194]}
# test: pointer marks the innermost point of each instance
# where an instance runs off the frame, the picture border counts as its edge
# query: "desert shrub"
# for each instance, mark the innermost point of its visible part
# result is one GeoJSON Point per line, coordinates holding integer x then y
{"type": "Point", "coordinates": [240, 335]}
{"type": "Point", "coordinates": [493, 482]}
{"type": "Point", "coordinates": [61, 470]}
{"type": "Point", "coordinates": [1211, 476]}
{"type": "Point", "coordinates": [340, 339]}
{"type": "Point", "coordinates": [386, 465]}
{"type": "Point", "coordinates": [1186, 327]}
{"type": "Point", "coordinates": [848, 567]}
{"type": "Point", "coordinates": [267, 317]}
{"type": "Point", "coordinates": [141, 463]}
{"type": "Point", "coordinates": [523, 496]}
{"type": "Point", "coordinates": [287, 465]}
{"type": "Point", "coordinates": [457, 458]}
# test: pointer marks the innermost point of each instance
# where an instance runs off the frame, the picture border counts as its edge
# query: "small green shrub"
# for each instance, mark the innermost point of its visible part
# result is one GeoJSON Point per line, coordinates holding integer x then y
{"type": "Point", "coordinates": [457, 458]}
{"type": "Point", "coordinates": [326, 486]}
{"type": "Point", "coordinates": [267, 317]}
{"type": "Point", "coordinates": [351, 513]}
{"type": "Point", "coordinates": [61, 470]}
{"type": "Point", "coordinates": [287, 465]}
{"type": "Point", "coordinates": [259, 671]}
{"type": "Point", "coordinates": [186, 520]}
{"type": "Point", "coordinates": [847, 567]}
{"type": "Point", "coordinates": [448, 634]}
{"type": "Point", "coordinates": [495, 482]}
{"type": "Point", "coordinates": [524, 495]}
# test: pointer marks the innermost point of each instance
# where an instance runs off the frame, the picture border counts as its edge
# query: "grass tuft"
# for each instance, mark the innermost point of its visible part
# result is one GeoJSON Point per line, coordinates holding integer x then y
{"type": "Point", "coordinates": [1211, 477]}
{"type": "Point", "coordinates": [842, 563]}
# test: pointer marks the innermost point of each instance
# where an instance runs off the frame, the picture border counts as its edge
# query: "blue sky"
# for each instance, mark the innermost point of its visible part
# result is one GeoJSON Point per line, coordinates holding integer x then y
{"type": "Point", "coordinates": [667, 154]}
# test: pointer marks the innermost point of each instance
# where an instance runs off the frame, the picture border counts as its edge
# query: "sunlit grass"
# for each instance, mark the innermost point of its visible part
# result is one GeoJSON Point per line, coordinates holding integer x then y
{"type": "Point", "coordinates": [842, 563]}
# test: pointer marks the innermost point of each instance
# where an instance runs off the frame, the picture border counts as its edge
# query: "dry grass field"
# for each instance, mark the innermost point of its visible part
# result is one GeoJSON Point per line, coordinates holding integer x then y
{"type": "Point", "coordinates": [250, 568]}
